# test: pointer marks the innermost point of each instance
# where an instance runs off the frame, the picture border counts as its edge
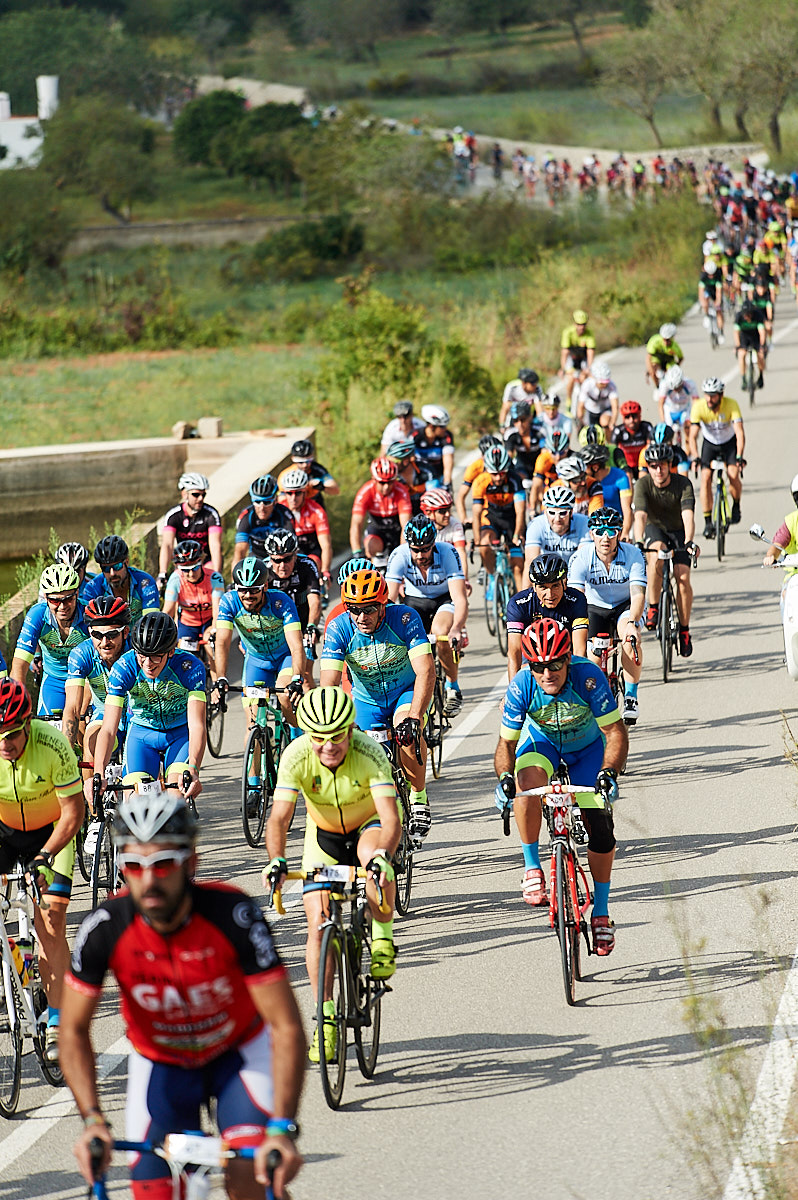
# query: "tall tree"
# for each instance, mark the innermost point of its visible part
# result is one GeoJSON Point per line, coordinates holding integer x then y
{"type": "Point", "coordinates": [637, 78]}
{"type": "Point", "coordinates": [774, 67]}
{"type": "Point", "coordinates": [698, 34]}
{"type": "Point", "coordinates": [352, 27]}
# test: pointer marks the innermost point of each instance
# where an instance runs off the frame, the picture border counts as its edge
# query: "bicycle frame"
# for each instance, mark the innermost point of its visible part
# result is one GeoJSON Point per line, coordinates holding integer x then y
{"type": "Point", "coordinates": [19, 996]}
{"type": "Point", "coordinates": [721, 512]}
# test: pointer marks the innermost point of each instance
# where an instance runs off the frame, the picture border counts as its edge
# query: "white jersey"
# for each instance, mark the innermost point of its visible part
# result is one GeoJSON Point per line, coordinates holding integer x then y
{"type": "Point", "coordinates": [678, 402]}
{"type": "Point", "coordinates": [597, 398]}
{"type": "Point", "coordinates": [451, 533]}
{"type": "Point", "coordinates": [393, 431]}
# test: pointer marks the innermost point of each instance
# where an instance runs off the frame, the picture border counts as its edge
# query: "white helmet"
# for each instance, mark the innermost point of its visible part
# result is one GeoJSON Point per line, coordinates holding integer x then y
{"type": "Point", "coordinates": [294, 480]}
{"type": "Point", "coordinates": [668, 330]}
{"type": "Point", "coordinates": [158, 816]}
{"type": "Point", "coordinates": [710, 266]}
{"type": "Point", "coordinates": [601, 371]}
{"type": "Point", "coordinates": [794, 484]}
{"type": "Point", "coordinates": [433, 414]}
{"type": "Point", "coordinates": [558, 496]}
{"type": "Point", "coordinates": [572, 467]}
{"type": "Point", "coordinates": [674, 378]}
{"type": "Point", "coordinates": [710, 235]}
{"type": "Point", "coordinates": [192, 481]}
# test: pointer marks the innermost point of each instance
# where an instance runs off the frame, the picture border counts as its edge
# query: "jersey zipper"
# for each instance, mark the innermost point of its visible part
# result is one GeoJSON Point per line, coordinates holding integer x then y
{"type": "Point", "coordinates": [16, 794]}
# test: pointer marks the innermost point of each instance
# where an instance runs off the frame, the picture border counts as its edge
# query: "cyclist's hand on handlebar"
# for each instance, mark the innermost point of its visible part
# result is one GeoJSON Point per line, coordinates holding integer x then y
{"type": "Point", "coordinates": [274, 873]}
{"type": "Point", "coordinates": [507, 785]}
{"type": "Point", "coordinates": [92, 789]}
{"type": "Point", "coordinates": [295, 690]}
{"type": "Point", "coordinates": [382, 865]}
{"type": "Point", "coordinates": [408, 731]}
{"type": "Point", "coordinates": [222, 685]}
{"type": "Point", "coordinates": [277, 1175]}
{"type": "Point", "coordinates": [40, 869]}
{"type": "Point", "coordinates": [607, 784]}
{"type": "Point", "coordinates": [190, 785]}
{"type": "Point", "coordinates": [93, 1151]}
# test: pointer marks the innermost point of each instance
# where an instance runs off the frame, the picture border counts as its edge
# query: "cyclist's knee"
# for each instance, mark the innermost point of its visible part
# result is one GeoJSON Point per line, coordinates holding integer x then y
{"type": "Point", "coordinates": [601, 835]}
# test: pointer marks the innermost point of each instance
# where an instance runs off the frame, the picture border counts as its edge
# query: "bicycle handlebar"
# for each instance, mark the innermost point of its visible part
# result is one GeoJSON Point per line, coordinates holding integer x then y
{"type": "Point", "coordinates": [275, 896]}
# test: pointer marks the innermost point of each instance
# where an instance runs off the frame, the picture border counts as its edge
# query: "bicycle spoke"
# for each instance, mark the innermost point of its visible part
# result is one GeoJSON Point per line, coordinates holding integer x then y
{"type": "Point", "coordinates": [10, 1048]}
{"type": "Point", "coordinates": [332, 976]}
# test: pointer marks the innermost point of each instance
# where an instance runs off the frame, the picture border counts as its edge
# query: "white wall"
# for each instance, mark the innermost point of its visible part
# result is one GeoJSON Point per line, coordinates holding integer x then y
{"type": "Point", "coordinates": [20, 148]}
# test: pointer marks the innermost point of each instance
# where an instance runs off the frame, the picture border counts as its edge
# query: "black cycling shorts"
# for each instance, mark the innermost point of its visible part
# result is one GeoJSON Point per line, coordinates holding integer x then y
{"type": "Point", "coordinates": [654, 533]}
{"type": "Point", "coordinates": [725, 450]}
{"type": "Point", "coordinates": [388, 529]}
{"type": "Point", "coordinates": [428, 606]}
{"type": "Point", "coordinates": [605, 620]}
{"type": "Point", "coordinates": [749, 339]}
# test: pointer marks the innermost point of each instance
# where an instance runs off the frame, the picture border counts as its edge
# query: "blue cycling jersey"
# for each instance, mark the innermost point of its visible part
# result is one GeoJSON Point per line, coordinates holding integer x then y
{"type": "Point", "coordinates": [40, 629]}
{"type": "Point", "coordinates": [525, 607]}
{"type": "Point", "coordinates": [262, 633]}
{"type": "Point", "coordinates": [380, 663]}
{"type": "Point", "coordinates": [3, 667]}
{"type": "Point", "coordinates": [613, 483]}
{"type": "Point", "coordinates": [607, 588]}
{"type": "Point", "coordinates": [160, 703]}
{"type": "Point", "coordinates": [251, 530]}
{"type": "Point", "coordinates": [539, 533]}
{"type": "Point", "coordinates": [444, 565]}
{"type": "Point", "coordinates": [571, 720]}
{"type": "Point", "coordinates": [143, 592]}
{"type": "Point", "coordinates": [86, 666]}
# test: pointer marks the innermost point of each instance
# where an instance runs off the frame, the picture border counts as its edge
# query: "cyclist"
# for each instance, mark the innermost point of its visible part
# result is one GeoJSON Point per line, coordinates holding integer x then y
{"type": "Point", "coordinates": [404, 455]}
{"type": "Point", "coordinates": [296, 575]}
{"type": "Point", "coordinates": [192, 520]}
{"type": "Point", "coordinates": [720, 422]}
{"type": "Point", "coordinates": [498, 506]}
{"type": "Point", "coordinates": [762, 300]}
{"type": "Point", "coordinates": [675, 397]}
{"type": "Point", "coordinates": [665, 519]}
{"type": "Point", "coordinates": [572, 471]}
{"type": "Point", "coordinates": [785, 539]}
{"type": "Point", "coordinates": [206, 1002]}
{"type": "Point", "coordinates": [632, 435]}
{"type": "Point", "coordinates": [550, 418]}
{"type": "Point", "coordinates": [557, 448]}
{"type": "Point", "coordinates": [435, 447]}
{"type": "Point", "coordinates": [437, 505]}
{"type": "Point", "coordinates": [664, 436]}
{"type": "Point", "coordinates": [549, 596]}
{"type": "Point", "coordinates": [262, 516]}
{"type": "Point", "coordinates": [352, 819]}
{"type": "Point", "coordinates": [558, 530]}
{"type": "Point", "coordinates": [710, 291]}
{"type": "Point", "coordinates": [522, 441]}
{"type": "Point", "coordinates": [138, 589]}
{"type": "Point", "coordinates": [430, 575]}
{"type": "Point", "coordinates": [560, 709]}
{"type": "Point", "coordinates": [749, 332]}
{"type": "Point", "coordinates": [311, 523]}
{"type": "Point", "coordinates": [616, 490]}
{"type": "Point", "coordinates": [595, 435]}
{"type": "Point", "coordinates": [357, 563]}
{"type": "Point", "coordinates": [383, 505]}
{"type": "Point", "coordinates": [55, 626]}
{"type": "Point", "coordinates": [402, 427]}
{"type": "Point", "coordinates": [662, 352]}
{"type": "Point", "coordinates": [389, 658]}
{"type": "Point", "coordinates": [74, 554]}
{"type": "Point", "coordinates": [577, 350]}
{"type": "Point", "coordinates": [597, 399]}
{"type": "Point", "coordinates": [88, 668]}
{"type": "Point", "coordinates": [270, 634]}
{"type": "Point", "coordinates": [612, 575]}
{"type": "Point", "coordinates": [192, 597]}
{"type": "Point", "coordinates": [321, 482]}
{"type": "Point", "coordinates": [472, 472]}
{"type": "Point", "coordinates": [526, 388]}
{"type": "Point", "coordinates": [165, 694]}
{"type": "Point", "coordinates": [41, 810]}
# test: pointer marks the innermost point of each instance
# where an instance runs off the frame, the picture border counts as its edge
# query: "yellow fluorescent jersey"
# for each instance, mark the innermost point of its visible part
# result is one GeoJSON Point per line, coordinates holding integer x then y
{"type": "Point", "coordinates": [31, 787]}
{"type": "Point", "coordinates": [338, 801]}
{"type": "Point", "coordinates": [717, 427]}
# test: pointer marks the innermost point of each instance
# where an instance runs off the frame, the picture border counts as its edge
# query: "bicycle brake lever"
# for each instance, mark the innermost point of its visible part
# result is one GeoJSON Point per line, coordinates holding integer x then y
{"type": "Point", "coordinates": [506, 820]}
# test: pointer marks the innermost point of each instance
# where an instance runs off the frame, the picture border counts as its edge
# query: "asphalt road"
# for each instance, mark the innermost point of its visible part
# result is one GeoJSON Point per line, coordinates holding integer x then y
{"type": "Point", "coordinates": [488, 1084]}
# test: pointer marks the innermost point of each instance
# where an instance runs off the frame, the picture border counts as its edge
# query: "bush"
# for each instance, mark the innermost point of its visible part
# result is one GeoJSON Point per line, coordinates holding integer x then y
{"type": "Point", "coordinates": [200, 121]}
{"type": "Point", "coordinates": [299, 251]}
{"type": "Point", "coordinates": [34, 230]}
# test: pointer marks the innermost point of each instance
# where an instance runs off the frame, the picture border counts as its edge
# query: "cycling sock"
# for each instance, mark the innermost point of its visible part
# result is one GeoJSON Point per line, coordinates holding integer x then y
{"type": "Point", "coordinates": [381, 929]}
{"type": "Point", "coordinates": [253, 781]}
{"type": "Point", "coordinates": [684, 628]}
{"type": "Point", "coordinates": [707, 516]}
{"type": "Point", "coordinates": [452, 687]}
{"type": "Point", "coordinates": [531, 854]}
{"type": "Point", "coordinates": [419, 797]}
{"type": "Point", "coordinates": [601, 899]}
{"type": "Point", "coordinates": [328, 1008]}
{"type": "Point", "coordinates": [53, 1016]}
{"type": "Point", "coordinates": [630, 689]}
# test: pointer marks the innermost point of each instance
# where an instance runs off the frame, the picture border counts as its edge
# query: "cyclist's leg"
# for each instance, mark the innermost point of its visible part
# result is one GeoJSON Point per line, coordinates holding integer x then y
{"type": "Point", "coordinates": [285, 673]}
{"type": "Point", "coordinates": [258, 672]}
{"type": "Point", "coordinates": [729, 452]}
{"type": "Point", "coordinates": [176, 754]}
{"type": "Point", "coordinates": [370, 839]}
{"type": "Point", "coordinates": [584, 767]}
{"type": "Point", "coordinates": [241, 1081]}
{"type": "Point", "coordinates": [684, 591]}
{"type": "Point", "coordinates": [599, 621]}
{"type": "Point", "coordinates": [654, 541]}
{"type": "Point", "coordinates": [441, 624]}
{"type": "Point", "coordinates": [161, 1099]}
{"type": "Point", "coordinates": [50, 924]}
{"type": "Point", "coordinates": [143, 751]}
{"type": "Point", "coordinates": [535, 762]}
{"type": "Point", "coordinates": [631, 669]}
{"type": "Point", "coordinates": [485, 541]}
{"type": "Point", "coordinates": [415, 771]}
{"type": "Point", "coordinates": [52, 695]}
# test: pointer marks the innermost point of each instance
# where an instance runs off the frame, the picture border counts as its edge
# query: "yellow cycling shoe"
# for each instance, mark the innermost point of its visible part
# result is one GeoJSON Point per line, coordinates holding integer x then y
{"type": "Point", "coordinates": [383, 958]}
{"type": "Point", "coordinates": [330, 1036]}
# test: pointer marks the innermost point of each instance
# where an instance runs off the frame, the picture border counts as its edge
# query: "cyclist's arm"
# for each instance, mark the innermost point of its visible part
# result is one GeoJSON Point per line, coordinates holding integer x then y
{"type": "Point", "coordinates": [424, 669]}
{"type": "Point", "coordinates": [314, 608]}
{"type": "Point", "coordinates": [641, 520]}
{"type": "Point", "coordinates": [356, 533]}
{"type": "Point", "coordinates": [325, 543]}
{"type": "Point", "coordinates": [693, 436]}
{"type": "Point", "coordinates": [197, 731]}
{"type": "Point", "coordinates": [276, 1003]}
{"type": "Point", "coordinates": [19, 668]}
{"type": "Point", "coordinates": [167, 546]}
{"type": "Point", "coordinates": [171, 595]}
{"type": "Point", "coordinates": [215, 547]}
{"type": "Point", "coordinates": [688, 521]}
{"type": "Point", "coordinates": [69, 822]}
{"type": "Point", "coordinates": [579, 640]}
{"type": "Point", "coordinates": [520, 519]}
{"type": "Point", "coordinates": [394, 588]}
{"type": "Point", "coordinates": [459, 501]}
{"type": "Point", "coordinates": [447, 465]}
{"type": "Point", "coordinates": [280, 818]}
{"type": "Point", "coordinates": [240, 551]}
{"type": "Point", "coordinates": [224, 638]}
{"type": "Point", "coordinates": [296, 646]}
{"type": "Point", "coordinates": [74, 705]}
{"type": "Point", "coordinates": [103, 748]}
{"type": "Point", "coordinates": [626, 509]}
{"type": "Point", "coordinates": [739, 433]}
{"type": "Point", "coordinates": [330, 677]}
{"type": "Point", "coordinates": [457, 591]}
{"type": "Point", "coordinates": [616, 745]}
{"type": "Point", "coordinates": [636, 601]}
{"type": "Point", "coordinates": [76, 1057]}
{"type": "Point", "coordinates": [614, 408]}
{"type": "Point", "coordinates": [384, 797]}
{"type": "Point", "coordinates": [514, 654]}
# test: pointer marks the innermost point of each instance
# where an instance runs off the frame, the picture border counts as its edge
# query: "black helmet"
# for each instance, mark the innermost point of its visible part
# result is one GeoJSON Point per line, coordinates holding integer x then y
{"type": "Point", "coordinates": [281, 542]}
{"type": "Point", "coordinates": [303, 449]}
{"type": "Point", "coordinates": [547, 568]}
{"type": "Point", "coordinates": [251, 572]}
{"type": "Point", "coordinates": [420, 532]}
{"type": "Point", "coordinates": [488, 440]}
{"type": "Point", "coordinates": [403, 408]}
{"type": "Point", "coordinates": [187, 554]}
{"type": "Point", "coordinates": [263, 489]}
{"type": "Point", "coordinates": [110, 549]}
{"type": "Point", "coordinates": [659, 452]}
{"type": "Point", "coordinates": [154, 633]}
{"type": "Point", "coordinates": [527, 375]}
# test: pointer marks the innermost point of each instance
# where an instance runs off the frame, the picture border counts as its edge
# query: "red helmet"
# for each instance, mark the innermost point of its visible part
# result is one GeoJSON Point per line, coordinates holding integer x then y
{"type": "Point", "coordinates": [545, 640]}
{"type": "Point", "coordinates": [384, 470]}
{"type": "Point", "coordinates": [630, 408]}
{"type": "Point", "coordinates": [15, 703]}
{"type": "Point", "coordinates": [105, 610]}
{"type": "Point", "coordinates": [435, 499]}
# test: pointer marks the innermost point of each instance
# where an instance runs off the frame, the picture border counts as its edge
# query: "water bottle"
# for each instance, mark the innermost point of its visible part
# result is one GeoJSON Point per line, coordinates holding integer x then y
{"type": "Point", "coordinates": [90, 840]}
{"type": "Point", "coordinates": [25, 946]}
{"type": "Point", "coordinates": [19, 961]}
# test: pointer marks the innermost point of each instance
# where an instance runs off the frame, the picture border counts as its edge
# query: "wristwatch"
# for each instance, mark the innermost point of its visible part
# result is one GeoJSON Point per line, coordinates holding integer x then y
{"type": "Point", "coordinates": [283, 1127]}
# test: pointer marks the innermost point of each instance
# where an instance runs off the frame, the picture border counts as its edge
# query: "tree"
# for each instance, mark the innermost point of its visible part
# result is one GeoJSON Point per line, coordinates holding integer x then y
{"type": "Point", "coordinates": [352, 27]}
{"type": "Point", "coordinates": [636, 78]}
{"type": "Point", "coordinates": [773, 46]}
{"type": "Point", "coordinates": [102, 149]}
{"type": "Point", "coordinates": [573, 13]}
{"type": "Point", "coordinates": [200, 122]}
{"type": "Point", "coordinates": [704, 54]}
{"type": "Point", "coordinates": [34, 230]}
{"type": "Point", "coordinates": [636, 13]}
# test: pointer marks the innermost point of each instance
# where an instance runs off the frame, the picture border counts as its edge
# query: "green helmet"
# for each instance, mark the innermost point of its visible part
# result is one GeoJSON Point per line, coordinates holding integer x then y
{"type": "Point", "coordinates": [251, 572]}
{"type": "Point", "coordinates": [59, 577]}
{"type": "Point", "coordinates": [325, 711]}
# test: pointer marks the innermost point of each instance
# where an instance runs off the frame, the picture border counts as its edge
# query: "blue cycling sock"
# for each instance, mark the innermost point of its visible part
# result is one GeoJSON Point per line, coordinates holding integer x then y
{"type": "Point", "coordinates": [53, 1016]}
{"type": "Point", "coordinates": [630, 688]}
{"type": "Point", "coordinates": [601, 899]}
{"type": "Point", "coordinates": [253, 781]}
{"type": "Point", "coordinates": [531, 854]}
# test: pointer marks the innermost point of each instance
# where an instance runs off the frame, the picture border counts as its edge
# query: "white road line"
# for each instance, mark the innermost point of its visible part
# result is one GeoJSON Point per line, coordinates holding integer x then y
{"type": "Point", "coordinates": [474, 719]}
{"type": "Point", "coordinates": [769, 1108]}
{"type": "Point", "coordinates": [40, 1122]}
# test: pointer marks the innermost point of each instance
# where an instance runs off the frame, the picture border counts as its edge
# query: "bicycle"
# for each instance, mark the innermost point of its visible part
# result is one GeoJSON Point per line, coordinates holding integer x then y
{"type": "Point", "coordinates": [180, 1151]}
{"type": "Point", "coordinates": [345, 959]}
{"type": "Point", "coordinates": [750, 380]}
{"type": "Point", "coordinates": [214, 712]}
{"type": "Point", "coordinates": [499, 587]}
{"type": "Point", "coordinates": [721, 509]}
{"type": "Point", "coordinates": [712, 325]}
{"type": "Point", "coordinates": [607, 649]}
{"type": "Point", "coordinates": [667, 630]}
{"type": "Point", "coordinates": [266, 741]}
{"type": "Point", "coordinates": [24, 1001]}
{"type": "Point", "coordinates": [403, 861]}
{"type": "Point", "coordinates": [438, 724]}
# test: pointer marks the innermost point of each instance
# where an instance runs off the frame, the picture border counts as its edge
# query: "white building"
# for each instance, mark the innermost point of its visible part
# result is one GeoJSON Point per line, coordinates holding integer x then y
{"type": "Point", "coordinates": [22, 136]}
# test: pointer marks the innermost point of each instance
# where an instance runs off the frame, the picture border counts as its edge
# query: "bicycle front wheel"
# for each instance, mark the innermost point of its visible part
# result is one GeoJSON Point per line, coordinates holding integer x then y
{"type": "Point", "coordinates": [566, 923]}
{"type": "Point", "coordinates": [490, 615]}
{"type": "Point", "coordinates": [255, 783]}
{"type": "Point", "coordinates": [403, 859]}
{"type": "Point", "coordinates": [369, 1009]}
{"type": "Point", "coordinates": [434, 730]}
{"type": "Point", "coordinates": [51, 1071]}
{"type": "Point", "coordinates": [501, 598]}
{"type": "Point", "coordinates": [102, 866]}
{"type": "Point", "coordinates": [720, 521]}
{"type": "Point", "coordinates": [10, 1048]}
{"type": "Point", "coordinates": [332, 973]}
{"type": "Point", "coordinates": [214, 720]}
{"type": "Point", "coordinates": [83, 861]}
{"type": "Point", "coordinates": [664, 629]}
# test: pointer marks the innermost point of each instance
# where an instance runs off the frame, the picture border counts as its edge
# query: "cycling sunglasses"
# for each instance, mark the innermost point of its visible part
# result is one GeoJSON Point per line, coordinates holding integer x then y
{"type": "Point", "coordinates": [282, 558]}
{"type": "Point", "coordinates": [605, 530]}
{"type": "Point", "coordinates": [197, 495]}
{"type": "Point", "coordinates": [98, 634]}
{"type": "Point", "coordinates": [249, 591]}
{"type": "Point", "coordinates": [12, 732]}
{"type": "Point", "coordinates": [186, 570]}
{"type": "Point", "coordinates": [162, 863]}
{"type": "Point", "coordinates": [55, 601]}
{"type": "Point", "coordinates": [320, 739]}
{"type": "Point", "coordinates": [112, 567]}
{"type": "Point", "coordinates": [556, 664]}
{"type": "Point", "coordinates": [365, 610]}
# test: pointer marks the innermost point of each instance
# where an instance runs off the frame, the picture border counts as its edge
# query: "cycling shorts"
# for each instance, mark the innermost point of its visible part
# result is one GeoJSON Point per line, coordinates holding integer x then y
{"type": "Point", "coordinates": [192, 632]}
{"type": "Point", "coordinates": [577, 357]}
{"type": "Point", "coordinates": [388, 529]}
{"type": "Point", "coordinates": [17, 846]}
{"type": "Point", "coordinates": [605, 620]}
{"type": "Point", "coordinates": [323, 847]}
{"type": "Point", "coordinates": [536, 750]}
{"type": "Point", "coordinates": [371, 711]}
{"type": "Point", "coordinates": [428, 607]}
{"type": "Point", "coordinates": [498, 524]}
{"type": "Point", "coordinates": [162, 1098]}
{"type": "Point", "coordinates": [144, 748]}
{"type": "Point", "coordinates": [52, 695]}
{"type": "Point", "coordinates": [655, 534]}
{"type": "Point", "coordinates": [724, 450]}
{"type": "Point", "coordinates": [264, 672]}
{"type": "Point", "coordinates": [749, 338]}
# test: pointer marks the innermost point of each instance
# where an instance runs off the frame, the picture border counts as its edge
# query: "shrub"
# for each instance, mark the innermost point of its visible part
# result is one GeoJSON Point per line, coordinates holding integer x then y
{"type": "Point", "coordinates": [200, 121]}
{"type": "Point", "coordinates": [299, 251]}
{"type": "Point", "coordinates": [34, 230]}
